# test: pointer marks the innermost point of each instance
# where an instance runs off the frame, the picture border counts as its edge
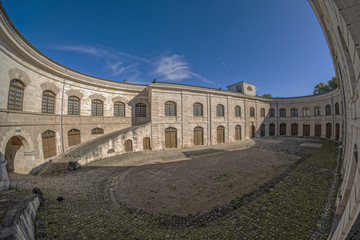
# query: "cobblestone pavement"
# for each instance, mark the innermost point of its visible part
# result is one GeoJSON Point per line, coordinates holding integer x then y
{"type": "Point", "coordinates": [298, 204]}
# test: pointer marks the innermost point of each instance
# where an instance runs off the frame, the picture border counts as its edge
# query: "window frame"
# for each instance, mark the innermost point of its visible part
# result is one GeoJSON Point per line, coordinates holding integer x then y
{"type": "Point", "coordinates": [140, 110]}
{"type": "Point", "coordinates": [46, 96]}
{"type": "Point", "coordinates": [220, 110]}
{"type": "Point", "coordinates": [95, 111]}
{"type": "Point", "coordinates": [73, 99]}
{"type": "Point", "coordinates": [117, 109]}
{"type": "Point", "coordinates": [170, 109]}
{"type": "Point", "coordinates": [197, 107]}
{"type": "Point", "coordinates": [16, 84]}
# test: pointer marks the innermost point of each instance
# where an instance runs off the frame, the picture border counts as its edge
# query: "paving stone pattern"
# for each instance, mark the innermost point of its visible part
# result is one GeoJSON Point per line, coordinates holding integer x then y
{"type": "Point", "coordinates": [298, 204]}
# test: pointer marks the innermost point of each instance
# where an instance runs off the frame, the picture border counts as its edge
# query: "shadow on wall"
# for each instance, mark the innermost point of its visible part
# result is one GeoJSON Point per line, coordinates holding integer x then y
{"type": "Point", "coordinates": [140, 109]}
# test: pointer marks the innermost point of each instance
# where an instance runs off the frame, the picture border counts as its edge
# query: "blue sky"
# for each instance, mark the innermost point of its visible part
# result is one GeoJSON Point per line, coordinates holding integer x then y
{"type": "Point", "coordinates": [277, 45]}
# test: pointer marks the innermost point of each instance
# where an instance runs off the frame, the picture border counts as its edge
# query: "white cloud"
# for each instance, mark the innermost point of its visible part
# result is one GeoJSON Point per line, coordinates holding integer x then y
{"type": "Point", "coordinates": [175, 68]}
{"type": "Point", "coordinates": [118, 67]}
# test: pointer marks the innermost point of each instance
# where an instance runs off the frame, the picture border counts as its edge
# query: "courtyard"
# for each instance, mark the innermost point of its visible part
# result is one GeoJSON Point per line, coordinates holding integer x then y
{"type": "Point", "coordinates": [265, 188]}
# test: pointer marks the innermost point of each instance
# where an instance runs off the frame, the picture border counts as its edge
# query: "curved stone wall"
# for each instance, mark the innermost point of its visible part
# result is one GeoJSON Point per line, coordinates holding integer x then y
{"type": "Point", "coordinates": [26, 135]}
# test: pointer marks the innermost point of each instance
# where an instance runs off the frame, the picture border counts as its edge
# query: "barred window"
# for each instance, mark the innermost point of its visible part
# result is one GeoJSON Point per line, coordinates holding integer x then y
{"type": "Point", "coordinates": [48, 102]}
{"type": "Point", "coordinates": [262, 112]}
{"type": "Point", "coordinates": [170, 108]}
{"type": "Point", "coordinates": [97, 131]}
{"type": "Point", "coordinates": [237, 111]}
{"type": "Point", "coordinates": [140, 110]}
{"type": "Point", "coordinates": [337, 109]}
{"type": "Point", "coordinates": [73, 105]}
{"type": "Point", "coordinates": [96, 107]}
{"type": "Point", "coordinates": [328, 110]}
{"type": "Point", "coordinates": [271, 112]}
{"type": "Point", "coordinates": [198, 109]}
{"type": "Point", "coordinates": [252, 112]}
{"type": "Point", "coordinates": [305, 112]}
{"type": "Point", "coordinates": [119, 109]}
{"type": "Point", "coordinates": [317, 111]}
{"type": "Point", "coordinates": [220, 110]}
{"type": "Point", "coordinates": [294, 112]}
{"type": "Point", "coordinates": [16, 93]}
{"type": "Point", "coordinates": [282, 112]}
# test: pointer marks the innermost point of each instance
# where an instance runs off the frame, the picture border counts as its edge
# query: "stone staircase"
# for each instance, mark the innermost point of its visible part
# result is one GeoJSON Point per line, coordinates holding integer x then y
{"type": "Point", "coordinates": [90, 150]}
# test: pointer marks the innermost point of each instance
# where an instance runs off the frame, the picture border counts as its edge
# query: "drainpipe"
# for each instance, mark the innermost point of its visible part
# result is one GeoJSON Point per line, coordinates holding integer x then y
{"type": "Point", "coordinates": [61, 116]}
{"type": "Point", "coordinates": [210, 118]}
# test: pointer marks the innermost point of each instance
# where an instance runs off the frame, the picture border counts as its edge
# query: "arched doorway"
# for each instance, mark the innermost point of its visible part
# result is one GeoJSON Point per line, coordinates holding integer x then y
{"type": "Point", "coordinates": [306, 129]}
{"type": "Point", "coordinates": [128, 146]}
{"type": "Point", "coordinates": [337, 131]}
{"type": "Point", "coordinates": [328, 130]}
{"type": "Point", "coordinates": [49, 144]}
{"type": "Point", "coordinates": [74, 137]}
{"type": "Point", "coordinates": [220, 134]}
{"type": "Point", "coordinates": [294, 129]}
{"type": "Point", "coordinates": [317, 130]}
{"type": "Point", "coordinates": [252, 131]}
{"type": "Point", "coordinates": [146, 144]}
{"type": "Point", "coordinates": [272, 129]}
{"type": "Point", "coordinates": [170, 137]}
{"type": "Point", "coordinates": [14, 151]}
{"type": "Point", "coordinates": [282, 129]}
{"type": "Point", "coordinates": [198, 136]}
{"type": "Point", "coordinates": [237, 132]}
{"type": "Point", "coordinates": [262, 130]}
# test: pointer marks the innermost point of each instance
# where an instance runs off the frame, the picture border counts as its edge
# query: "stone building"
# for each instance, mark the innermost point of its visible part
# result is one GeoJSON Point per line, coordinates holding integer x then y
{"type": "Point", "coordinates": [48, 110]}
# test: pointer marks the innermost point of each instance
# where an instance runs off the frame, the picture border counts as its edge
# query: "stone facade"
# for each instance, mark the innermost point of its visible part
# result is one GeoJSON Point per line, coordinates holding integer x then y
{"type": "Point", "coordinates": [22, 131]}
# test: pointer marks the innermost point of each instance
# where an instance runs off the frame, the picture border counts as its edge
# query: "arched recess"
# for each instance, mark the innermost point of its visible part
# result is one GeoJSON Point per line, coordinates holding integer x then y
{"type": "Point", "coordinates": [220, 134]}
{"type": "Point", "coordinates": [252, 131]}
{"type": "Point", "coordinates": [128, 146]}
{"type": "Point", "coordinates": [49, 144]}
{"type": "Point", "coordinates": [349, 182]}
{"type": "Point", "coordinates": [170, 137]}
{"type": "Point", "coordinates": [237, 132]}
{"type": "Point", "coordinates": [198, 136]}
{"type": "Point", "coordinates": [146, 144]}
{"type": "Point", "coordinates": [282, 129]}
{"type": "Point", "coordinates": [14, 153]}
{"type": "Point", "coordinates": [328, 130]}
{"type": "Point", "coordinates": [262, 130]}
{"type": "Point", "coordinates": [349, 64]}
{"type": "Point", "coordinates": [294, 129]}
{"type": "Point", "coordinates": [271, 129]}
{"type": "Point", "coordinates": [337, 131]}
{"type": "Point", "coordinates": [24, 160]}
{"type": "Point", "coordinates": [74, 137]}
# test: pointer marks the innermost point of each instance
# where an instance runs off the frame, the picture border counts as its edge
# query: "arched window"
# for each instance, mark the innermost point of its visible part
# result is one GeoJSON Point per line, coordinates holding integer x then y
{"type": "Point", "coordinates": [282, 129]}
{"type": "Point", "coordinates": [328, 110]}
{"type": "Point", "coordinates": [170, 108]}
{"type": "Point", "coordinates": [252, 112]}
{"type": "Point", "coordinates": [282, 112]}
{"type": "Point", "coordinates": [294, 112]}
{"type": "Point", "coordinates": [317, 111]}
{"type": "Point", "coordinates": [119, 109]}
{"type": "Point", "coordinates": [262, 112]}
{"type": "Point", "coordinates": [272, 129]}
{"type": "Point", "coordinates": [237, 111]}
{"type": "Point", "coordinates": [97, 131]}
{"type": "Point", "coordinates": [249, 89]}
{"type": "Point", "coordinates": [220, 110]}
{"type": "Point", "coordinates": [197, 109]}
{"type": "Point", "coordinates": [96, 107]}
{"type": "Point", "coordinates": [220, 134]}
{"type": "Point", "coordinates": [48, 102]}
{"type": "Point", "coordinates": [73, 105]}
{"type": "Point", "coordinates": [140, 110]}
{"type": "Point", "coordinates": [237, 132]}
{"type": "Point", "coordinates": [198, 136]}
{"type": "Point", "coordinates": [305, 112]}
{"type": "Point", "coordinates": [16, 95]}
{"type": "Point", "coordinates": [337, 109]}
{"type": "Point", "coordinates": [271, 112]}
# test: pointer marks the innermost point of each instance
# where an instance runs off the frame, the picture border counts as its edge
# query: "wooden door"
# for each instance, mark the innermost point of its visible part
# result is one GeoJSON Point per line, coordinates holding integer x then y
{"type": "Point", "coordinates": [328, 130]}
{"type": "Point", "coordinates": [49, 144]}
{"type": "Point", "coordinates": [74, 137]}
{"type": "Point", "coordinates": [272, 129]}
{"type": "Point", "coordinates": [283, 129]}
{"type": "Point", "coordinates": [252, 131]}
{"type": "Point", "coordinates": [198, 136]}
{"type": "Point", "coordinates": [221, 134]}
{"type": "Point", "coordinates": [337, 131]}
{"type": "Point", "coordinates": [238, 132]}
{"type": "Point", "coordinates": [294, 129]}
{"type": "Point", "coordinates": [170, 138]}
{"type": "Point", "coordinates": [262, 130]}
{"type": "Point", "coordinates": [128, 146]}
{"type": "Point", "coordinates": [317, 130]}
{"type": "Point", "coordinates": [306, 129]}
{"type": "Point", "coordinates": [146, 144]}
